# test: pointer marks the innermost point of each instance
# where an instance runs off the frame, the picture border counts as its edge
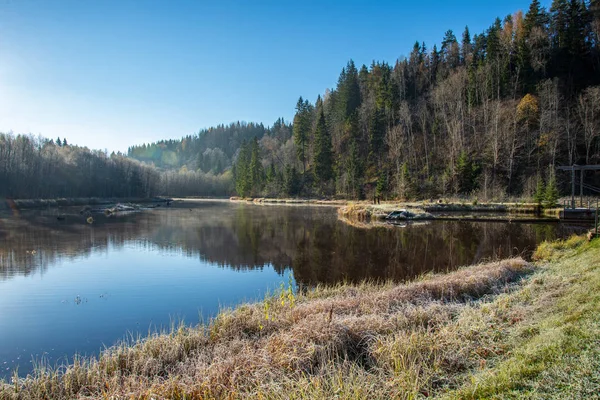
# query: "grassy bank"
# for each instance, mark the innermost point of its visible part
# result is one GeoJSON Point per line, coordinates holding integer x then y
{"type": "Point", "coordinates": [360, 213]}
{"type": "Point", "coordinates": [502, 329]}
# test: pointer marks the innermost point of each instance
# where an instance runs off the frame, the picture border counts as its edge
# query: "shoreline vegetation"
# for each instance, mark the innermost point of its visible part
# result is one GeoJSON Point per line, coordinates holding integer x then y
{"type": "Point", "coordinates": [506, 329]}
{"type": "Point", "coordinates": [26, 204]}
{"type": "Point", "coordinates": [362, 213]}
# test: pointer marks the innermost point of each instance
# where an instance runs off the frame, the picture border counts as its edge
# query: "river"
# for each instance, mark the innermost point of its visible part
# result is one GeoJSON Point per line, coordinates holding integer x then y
{"type": "Point", "coordinates": [68, 286]}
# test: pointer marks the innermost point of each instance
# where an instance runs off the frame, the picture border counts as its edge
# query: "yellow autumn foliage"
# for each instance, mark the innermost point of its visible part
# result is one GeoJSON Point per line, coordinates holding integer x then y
{"type": "Point", "coordinates": [528, 109]}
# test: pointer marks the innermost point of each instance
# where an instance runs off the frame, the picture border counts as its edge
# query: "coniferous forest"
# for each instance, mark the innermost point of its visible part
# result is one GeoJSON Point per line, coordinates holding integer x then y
{"type": "Point", "coordinates": [487, 114]}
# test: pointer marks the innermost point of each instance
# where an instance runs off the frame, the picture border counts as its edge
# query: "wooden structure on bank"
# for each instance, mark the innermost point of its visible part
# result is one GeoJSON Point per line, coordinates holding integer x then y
{"type": "Point", "coordinates": [582, 213]}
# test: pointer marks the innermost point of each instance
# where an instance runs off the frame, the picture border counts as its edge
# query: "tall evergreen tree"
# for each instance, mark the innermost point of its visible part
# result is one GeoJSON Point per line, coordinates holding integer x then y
{"type": "Point", "coordinates": [465, 46]}
{"type": "Point", "coordinates": [350, 90]}
{"type": "Point", "coordinates": [256, 169]}
{"type": "Point", "coordinates": [377, 128]}
{"type": "Point", "coordinates": [243, 182]}
{"type": "Point", "coordinates": [559, 23]}
{"type": "Point", "coordinates": [355, 171]}
{"type": "Point", "coordinates": [302, 127]}
{"type": "Point", "coordinates": [291, 181]}
{"type": "Point", "coordinates": [536, 17]}
{"type": "Point", "coordinates": [323, 151]}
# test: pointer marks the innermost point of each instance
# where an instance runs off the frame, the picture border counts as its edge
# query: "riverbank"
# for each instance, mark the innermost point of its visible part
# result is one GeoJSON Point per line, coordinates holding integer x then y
{"type": "Point", "coordinates": [502, 329]}
{"type": "Point", "coordinates": [26, 204]}
{"type": "Point", "coordinates": [366, 209]}
{"type": "Point", "coordinates": [277, 201]}
{"type": "Point", "coordinates": [363, 213]}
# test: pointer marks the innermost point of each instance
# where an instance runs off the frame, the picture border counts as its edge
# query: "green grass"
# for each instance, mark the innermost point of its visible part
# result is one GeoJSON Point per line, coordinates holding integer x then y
{"type": "Point", "coordinates": [507, 329]}
{"type": "Point", "coordinates": [556, 354]}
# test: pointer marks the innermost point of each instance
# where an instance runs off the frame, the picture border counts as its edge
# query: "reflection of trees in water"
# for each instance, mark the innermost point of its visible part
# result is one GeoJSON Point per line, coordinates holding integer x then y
{"type": "Point", "coordinates": [329, 253]}
{"type": "Point", "coordinates": [319, 248]}
{"type": "Point", "coordinates": [36, 240]}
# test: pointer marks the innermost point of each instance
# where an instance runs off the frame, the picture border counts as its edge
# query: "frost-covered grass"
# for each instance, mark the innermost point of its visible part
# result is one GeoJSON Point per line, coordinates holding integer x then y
{"type": "Point", "coordinates": [505, 329]}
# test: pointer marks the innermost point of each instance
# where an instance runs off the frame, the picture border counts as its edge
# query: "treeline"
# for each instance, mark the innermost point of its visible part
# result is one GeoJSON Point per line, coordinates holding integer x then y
{"type": "Point", "coordinates": [35, 167]}
{"type": "Point", "coordinates": [490, 115]}
{"type": "Point", "coordinates": [211, 150]}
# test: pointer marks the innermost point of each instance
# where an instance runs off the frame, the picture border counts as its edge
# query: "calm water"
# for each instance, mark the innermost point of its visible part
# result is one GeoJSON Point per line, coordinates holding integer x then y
{"type": "Point", "coordinates": [68, 287]}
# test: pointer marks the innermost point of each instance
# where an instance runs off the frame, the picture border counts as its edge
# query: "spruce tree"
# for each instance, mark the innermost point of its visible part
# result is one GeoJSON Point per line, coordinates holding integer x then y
{"type": "Point", "coordinates": [382, 184]}
{"type": "Point", "coordinates": [243, 184]}
{"type": "Point", "coordinates": [291, 181]}
{"type": "Point", "coordinates": [465, 46]}
{"type": "Point", "coordinates": [467, 173]}
{"type": "Point", "coordinates": [536, 17]}
{"type": "Point", "coordinates": [351, 95]}
{"type": "Point", "coordinates": [302, 126]}
{"type": "Point", "coordinates": [355, 171]}
{"type": "Point", "coordinates": [376, 136]}
{"type": "Point", "coordinates": [323, 151]}
{"type": "Point", "coordinates": [256, 169]}
{"type": "Point", "coordinates": [540, 192]}
{"type": "Point", "coordinates": [559, 23]}
{"type": "Point", "coordinates": [551, 194]}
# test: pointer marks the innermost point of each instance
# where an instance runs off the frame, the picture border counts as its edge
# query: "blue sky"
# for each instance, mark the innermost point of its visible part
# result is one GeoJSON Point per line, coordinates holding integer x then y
{"type": "Point", "coordinates": [108, 74]}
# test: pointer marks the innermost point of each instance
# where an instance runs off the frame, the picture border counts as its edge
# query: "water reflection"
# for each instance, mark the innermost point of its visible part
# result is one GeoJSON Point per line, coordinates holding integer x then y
{"type": "Point", "coordinates": [310, 240]}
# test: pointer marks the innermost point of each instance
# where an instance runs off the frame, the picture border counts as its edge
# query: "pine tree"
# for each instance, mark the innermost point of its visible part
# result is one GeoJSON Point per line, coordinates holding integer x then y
{"type": "Point", "coordinates": [382, 184]}
{"type": "Point", "coordinates": [493, 41]}
{"type": "Point", "coordinates": [536, 17]}
{"type": "Point", "coordinates": [551, 194]}
{"type": "Point", "coordinates": [302, 126]}
{"type": "Point", "coordinates": [355, 171]}
{"type": "Point", "coordinates": [466, 46]}
{"type": "Point", "coordinates": [58, 141]}
{"type": "Point", "coordinates": [323, 151]}
{"type": "Point", "coordinates": [256, 169]}
{"type": "Point", "coordinates": [349, 89]}
{"type": "Point", "coordinates": [450, 50]}
{"type": "Point", "coordinates": [435, 63]}
{"type": "Point", "coordinates": [404, 191]}
{"type": "Point", "coordinates": [559, 23]}
{"type": "Point", "coordinates": [376, 136]}
{"type": "Point", "coordinates": [64, 143]}
{"type": "Point", "coordinates": [291, 181]}
{"type": "Point", "coordinates": [540, 192]}
{"type": "Point", "coordinates": [467, 172]}
{"type": "Point", "coordinates": [243, 183]}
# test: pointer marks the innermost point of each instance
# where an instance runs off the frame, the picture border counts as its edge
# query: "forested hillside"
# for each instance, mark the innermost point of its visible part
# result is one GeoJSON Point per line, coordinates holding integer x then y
{"type": "Point", "coordinates": [33, 167]}
{"type": "Point", "coordinates": [489, 114]}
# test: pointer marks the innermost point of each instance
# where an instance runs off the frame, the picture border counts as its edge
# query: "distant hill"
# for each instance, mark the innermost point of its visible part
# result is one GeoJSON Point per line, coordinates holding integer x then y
{"type": "Point", "coordinates": [210, 150]}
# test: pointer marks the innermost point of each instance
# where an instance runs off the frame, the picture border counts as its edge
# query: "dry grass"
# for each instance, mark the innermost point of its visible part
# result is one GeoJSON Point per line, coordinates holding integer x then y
{"type": "Point", "coordinates": [364, 213]}
{"type": "Point", "coordinates": [369, 341]}
{"type": "Point", "coordinates": [501, 330]}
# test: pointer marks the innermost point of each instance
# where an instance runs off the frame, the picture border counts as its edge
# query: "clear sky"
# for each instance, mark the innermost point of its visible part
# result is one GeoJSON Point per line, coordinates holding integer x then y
{"type": "Point", "coordinates": [111, 73]}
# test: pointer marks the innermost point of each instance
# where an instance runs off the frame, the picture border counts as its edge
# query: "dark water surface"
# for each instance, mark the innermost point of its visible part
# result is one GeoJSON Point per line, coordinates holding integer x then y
{"type": "Point", "coordinates": [70, 287]}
